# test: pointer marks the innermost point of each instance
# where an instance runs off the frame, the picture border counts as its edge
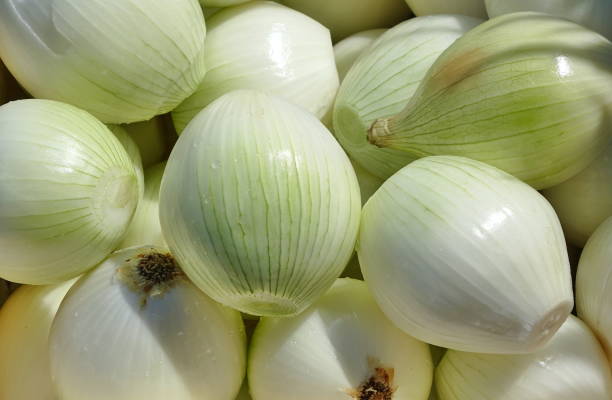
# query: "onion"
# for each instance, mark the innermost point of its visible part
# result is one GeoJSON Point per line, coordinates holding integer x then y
{"type": "Point", "coordinates": [474, 8]}
{"type": "Point", "coordinates": [136, 328]}
{"type": "Point", "coordinates": [154, 138]}
{"type": "Point", "coordinates": [221, 3]}
{"type": "Point", "coordinates": [340, 348]}
{"type": "Point", "coordinates": [259, 204]}
{"type": "Point", "coordinates": [262, 45]}
{"type": "Point", "coordinates": [462, 255]}
{"type": "Point", "coordinates": [25, 321]}
{"type": "Point", "coordinates": [571, 366]}
{"type": "Point", "coordinates": [349, 49]}
{"type": "Point", "coordinates": [528, 93]}
{"type": "Point", "coordinates": [68, 190]}
{"type": "Point", "coordinates": [121, 60]}
{"type": "Point", "coordinates": [384, 78]}
{"type": "Point", "coordinates": [132, 151]}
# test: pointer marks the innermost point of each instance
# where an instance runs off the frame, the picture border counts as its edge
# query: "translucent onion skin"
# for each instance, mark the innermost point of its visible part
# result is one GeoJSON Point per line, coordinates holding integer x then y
{"type": "Point", "coordinates": [121, 60]}
{"type": "Point", "coordinates": [328, 351]}
{"type": "Point", "coordinates": [384, 79]}
{"type": "Point", "coordinates": [265, 46]}
{"type": "Point", "coordinates": [473, 8]}
{"type": "Point", "coordinates": [145, 228]}
{"type": "Point", "coordinates": [594, 14]}
{"type": "Point", "coordinates": [528, 93]}
{"type": "Point", "coordinates": [110, 340]}
{"type": "Point", "coordinates": [350, 48]}
{"type": "Point", "coordinates": [462, 255]}
{"type": "Point", "coordinates": [259, 204]}
{"type": "Point", "coordinates": [25, 321]}
{"type": "Point", "coordinates": [572, 366]}
{"type": "Point", "coordinates": [584, 201]}
{"type": "Point", "coordinates": [68, 190]}
{"type": "Point", "coordinates": [593, 284]}
{"type": "Point", "coordinates": [346, 17]}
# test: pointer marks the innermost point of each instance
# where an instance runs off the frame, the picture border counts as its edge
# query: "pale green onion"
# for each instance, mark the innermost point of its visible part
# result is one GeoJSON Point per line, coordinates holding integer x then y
{"type": "Point", "coordinates": [244, 392]}
{"type": "Point", "coordinates": [145, 228]}
{"type": "Point", "coordinates": [474, 8]}
{"type": "Point", "coordinates": [154, 138]}
{"type": "Point", "coordinates": [594, 286]}
{"type": "Point", "coordinates": [265, 46]}
{"type": "Point", "coordinates": [221, 3]}
{"type": "Point", "coordinates": [340, 348]}
{"type": "Point", "coordinates": [68, 190]}
{"type": "Point", "coordinates": [528, 93]}
{"type": "Point", "coordinates": [594, 14]}
{"type": "Point", "coordinates": [136, 328]}
{"type": "Point", "coordinates": [121, 60]}
{"type": "Point", "coordinates": [259, 204]}
{"type": "Point", "coordinates": [572, 366]}
{"type": "Point", "coordinates": [384, 79]}
{"type": "Point", "coordinates": [462, 255]}
{"type": "Point", "coordinates": [349, 49]}
{"type": "Point", "coordinates": [584, 201]}
{"type": "Point", "coordinates": [25, 321]}
{"type": "Point", "coordinates": [133, 152]}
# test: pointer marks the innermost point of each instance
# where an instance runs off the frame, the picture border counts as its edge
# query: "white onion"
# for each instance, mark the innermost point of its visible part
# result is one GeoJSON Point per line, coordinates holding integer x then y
{"type": "Point", "coordinates": [349, 49]}
{"type": "Point", "coordinates": [68, 190]}
{"type": "Point", "coordinates": [25, 321]}
{"type": "Point", "coordinates": [259, 204]}
{"type": "Point", "coordinates": [121, 60]}
{"type": "Point", "coordinates": [336, 350]}
{"type": "Point", "coordinates": [133, 152]}
{"type": "Point", "coordinates": [462, 255]}
{"type": "Point", "coordinates": [136, 328]}
{"type": "Point", "coordinates": [572, 366]}
{"type": "Point", "coordinates": [265, 46]}
{"type": "Point", "coordinates": [221, 3]}
{"type": "Point", "coordinates": [474, 8]}
{"type": "Point", "coordinates": [593, 284]}
{"type": "Point", "coordinates": [584, 201]}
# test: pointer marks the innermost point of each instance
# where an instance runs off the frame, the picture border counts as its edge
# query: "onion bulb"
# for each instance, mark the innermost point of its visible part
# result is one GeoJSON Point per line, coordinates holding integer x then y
{"type": "Point", "coordinates": [136, 328]}
{"type": "Point", "coordinates": [341, 347]}
{"type": "Point", "coordinates": [474, 8]}
{"type": "Point", "coordinates": [384, 78]}
{"type": "Point", "coordinates": [265, 46]}
{"type": "Point", "coordinates": [594, 286]}
{"type": "Point", "coordinates": [68, 190]}
{"type": "Point", "coordinates": [259, 204]}
{"type": "Point", "coordinates": [25, 321]}
{"type": "Point", "coordinates": [572, 366]}
{"type": "Point", "coordinates": [528, 93]}
{"type": "Point", "coordinates": [347, 50]}
{"type": "Point", "coordinates": [121, 60]}
{"type": "Point", "coordinates": [584, 201]}
{"type": "Point", "coordinates": [133, 152]}
{"type": "Point", "coordinates": [221, 3]}
{"type": "Point", "coordinates": [154, 138]}
{"type": "Point", "coordinates": [461, 255]}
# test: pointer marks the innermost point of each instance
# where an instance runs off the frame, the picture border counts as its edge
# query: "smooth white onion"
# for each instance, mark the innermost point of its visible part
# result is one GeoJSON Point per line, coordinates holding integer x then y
{"type": "Point", "coordinates": [348, 50]}
{"type": "Point", "coordinates": [474, 8]}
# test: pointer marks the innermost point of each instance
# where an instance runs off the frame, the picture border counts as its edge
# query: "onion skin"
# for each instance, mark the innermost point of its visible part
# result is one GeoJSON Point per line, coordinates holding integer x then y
{"type": "Point", "coordinates": [349, 49]}
{"type": "Point", "coordinates": [472, 8]}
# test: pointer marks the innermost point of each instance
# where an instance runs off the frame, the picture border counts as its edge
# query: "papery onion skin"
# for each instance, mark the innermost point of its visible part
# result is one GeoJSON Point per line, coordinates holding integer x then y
{"type": "Point", "coordinates": [594, 287]}
{"type": "Point", "coordinates": [259, 204]}
{"type": "Point", "coordinates": [114, 339]}
{"type": "Point", "coordinates": [265, 46]}
{"type": "Point", "coordinates": [25, 321]}
{"type": "Point", "coordinates": [68, 191]}
{"type": "Point", "coordinates": [349, 49]}
{"type": "Point", "coordinates": [462, 255]}
{"type": "Point", "coordinates": [584, 201]}
{"type": "Point", "coordinates": [526, 92]}
{"type": "Point", "coordinates": [328, 351]}
{"type": "Point", "coordinates": [572, 366]}
{"type": "Point", "coordinates": [384, 78]}
{"type": "Point", "coordinates": [473, 8]}
{"type": "Point", "coordinates": [121, 60]}
{"type": "Point", "coordinates": [593, 14]}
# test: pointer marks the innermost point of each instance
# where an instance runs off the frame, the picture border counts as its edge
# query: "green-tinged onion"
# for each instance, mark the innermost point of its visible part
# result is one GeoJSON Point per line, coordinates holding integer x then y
{"type": "Point", "coordinates": [209, 11]}
{"type": "Point", "coordinates": [265, 46]}
{"type": "Point", "coordinates": [347, 50]}
{"type": "Point", "coordinates": [144, 228]}
{"type": "Point", "coordinates": [584, 201]}
{"type": "Point", "coordinates": [136, 328]}
{"type": "Point", "coordinates": [25, 321]}
{"type": "Point", "coordinates": [259, 204]}
{"type": "Point", "coordinates": [368, 183]}
{"type": "Point", "coordinates": [474, 8]}
{"type": "Point", "coordinates": [572, 366]}
{"type": "Point", "coordinates": [384, 78]}
{"type": "Point", "coordinates": [121, 60]}
{"type": "Point", "coordinates": [221, 3]}
{"type": "Point", "coordinates": [68, 190]}
{"type": "Point", "coordinates": [346, 17]}
{"type": "Point", "coordinates": [133, 152]}
{"type": "Point", "coordinates": [526, 92]}
{"type": "Point", "coordinates": [244, 392]}
{"type": "Point", "coordinates": [340, 348]}
{"type": "Point", "coordinates": [154, 138]}
{"type": "Point", "coordinates": [594, 284]}
{"type": "Point", "coordinates": [594, 14]}
{"type": "Point", "coordinates": [462, 255]}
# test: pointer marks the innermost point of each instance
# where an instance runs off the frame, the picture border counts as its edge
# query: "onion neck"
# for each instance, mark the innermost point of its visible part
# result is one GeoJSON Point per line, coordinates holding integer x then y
{"type": "Point", "coordinates": [378, 386]}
